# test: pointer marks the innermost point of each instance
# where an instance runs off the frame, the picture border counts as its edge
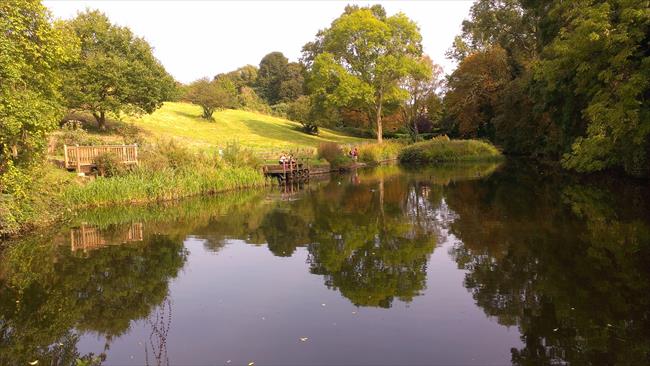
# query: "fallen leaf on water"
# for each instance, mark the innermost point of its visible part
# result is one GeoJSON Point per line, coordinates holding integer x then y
{"type": "Point", "coordinates": [303, 339]}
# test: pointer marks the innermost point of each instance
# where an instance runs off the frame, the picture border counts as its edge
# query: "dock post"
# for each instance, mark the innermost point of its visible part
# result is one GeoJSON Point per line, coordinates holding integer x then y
{"type": "Point", "coordinates": [78, 159]}
{"type": "Point", "coordinates": [65, 155]}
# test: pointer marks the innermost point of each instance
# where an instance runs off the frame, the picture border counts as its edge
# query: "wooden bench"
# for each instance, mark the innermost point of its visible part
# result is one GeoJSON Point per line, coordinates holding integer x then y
{"type": "Point", "coordinates": [79, 158]}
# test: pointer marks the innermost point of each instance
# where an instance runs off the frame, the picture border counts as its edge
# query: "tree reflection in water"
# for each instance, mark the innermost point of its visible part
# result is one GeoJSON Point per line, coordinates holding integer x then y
{"type": "Point", "coordinates": [49, 295]}
{"type": "Point", "coordinates": [567, 262]}
{"type": "Point", "coordinates": [564, 260]}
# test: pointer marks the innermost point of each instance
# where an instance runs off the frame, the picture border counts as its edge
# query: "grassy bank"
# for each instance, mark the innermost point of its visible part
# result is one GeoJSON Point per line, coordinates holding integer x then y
{"type": "Point", "coordinates": [445, 150]}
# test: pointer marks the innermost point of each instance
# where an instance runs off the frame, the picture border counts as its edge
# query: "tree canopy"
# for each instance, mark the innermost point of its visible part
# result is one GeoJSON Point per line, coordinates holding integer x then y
{"type": "Point", "coordinates": [116, 71]}
{"type": "Point", "coordinates": [212, 95]}
{"type": "Point", "coordinates": [279, 80]}
{"type": "Point", "coordinates": [360, 60]}
{"type": "Point", "coordinates": [29, 78]}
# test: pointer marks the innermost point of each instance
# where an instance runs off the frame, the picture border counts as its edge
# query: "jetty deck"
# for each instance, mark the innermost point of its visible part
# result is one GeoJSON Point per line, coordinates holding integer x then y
{"type": "Point", "coordinates": [287, 172]}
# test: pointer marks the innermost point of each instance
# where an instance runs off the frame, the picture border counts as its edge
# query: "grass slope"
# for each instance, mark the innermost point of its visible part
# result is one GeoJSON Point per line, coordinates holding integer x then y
{"type": "Point", "coordinates": [260, 132]}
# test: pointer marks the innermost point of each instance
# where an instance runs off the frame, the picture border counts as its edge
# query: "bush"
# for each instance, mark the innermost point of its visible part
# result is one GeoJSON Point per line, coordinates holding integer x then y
{"type": "Point", "coordinates": [376, 153]}
{"type": "Point", "coordinates": [9, 222]}
{"type": "Point", "coordinates": [442, 149]}
{"type": "Point", "coordinates": [333, 153]}
{"type": "Point", "coordinates": [130, 133]}
{"type": "Point", "coordinates": [109, 165]}
{"type": "Point", "coordinates": [250, 101]}
{"type": "Point", "coordinates": [73, 133]}
{"type": "Point", "coordinates": [280, 110]}
{"type": "Point", "coordinates": [236, 155]}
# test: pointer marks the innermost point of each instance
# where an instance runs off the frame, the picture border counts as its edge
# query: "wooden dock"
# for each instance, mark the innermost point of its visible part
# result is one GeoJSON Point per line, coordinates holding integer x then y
{"type": "Point", "coordinates": [82, 158]}
{"type": "Point", "coordinates": [292, 171]}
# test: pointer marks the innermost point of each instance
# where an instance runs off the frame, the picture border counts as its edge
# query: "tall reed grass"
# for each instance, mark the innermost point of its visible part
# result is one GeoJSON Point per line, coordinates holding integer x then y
{"type": "Point", "coordinates": [377, 153]}
{"type": "Point", "coordinates": [145, 185]}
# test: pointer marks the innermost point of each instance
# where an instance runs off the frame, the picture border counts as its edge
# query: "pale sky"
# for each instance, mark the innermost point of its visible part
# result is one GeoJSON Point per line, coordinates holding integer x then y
{"type": "Point", "coordinates": [194, 39]}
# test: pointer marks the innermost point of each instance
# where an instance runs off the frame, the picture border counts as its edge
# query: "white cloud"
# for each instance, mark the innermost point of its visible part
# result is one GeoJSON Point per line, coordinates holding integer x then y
{"type": "Point", "coordinates": [202, 38]}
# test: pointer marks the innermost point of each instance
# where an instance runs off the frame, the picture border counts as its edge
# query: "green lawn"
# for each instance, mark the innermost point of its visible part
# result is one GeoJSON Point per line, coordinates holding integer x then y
{"type": "Point", "coordinates": [257, 131]}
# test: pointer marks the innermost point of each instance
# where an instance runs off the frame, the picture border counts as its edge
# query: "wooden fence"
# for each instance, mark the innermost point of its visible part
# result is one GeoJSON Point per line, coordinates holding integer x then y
{"type": "Point", "coordinates": [88, 237]}
{"type": "Point", "coordinates": [78, 157]}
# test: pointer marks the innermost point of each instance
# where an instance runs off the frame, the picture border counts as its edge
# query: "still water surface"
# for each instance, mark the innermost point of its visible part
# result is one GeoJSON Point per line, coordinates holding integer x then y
{"type": "Point", "coordinates": [465, 265]}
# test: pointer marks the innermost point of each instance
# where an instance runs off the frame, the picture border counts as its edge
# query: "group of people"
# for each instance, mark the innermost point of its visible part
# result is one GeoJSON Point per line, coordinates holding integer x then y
{"type": "Point", "coordinates": [354, 154]}
{"type": "Point", "coordinates": [290, 159]}
{"type": "Point", "coordinates": [286, 159]}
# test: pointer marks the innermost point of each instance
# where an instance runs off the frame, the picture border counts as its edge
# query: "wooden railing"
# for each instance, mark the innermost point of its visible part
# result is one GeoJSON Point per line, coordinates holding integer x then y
{"type": "Point", "coordinates": [88, 237]}
{"type": "Point", "coordinates": [77, 156]}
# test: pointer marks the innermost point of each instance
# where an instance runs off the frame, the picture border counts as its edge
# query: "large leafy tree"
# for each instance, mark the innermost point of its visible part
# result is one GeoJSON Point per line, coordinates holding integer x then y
{"type": "Point", "coordinates": [474, 89]}
{"type": "Point", "coordinates": [279, 80]}
{"type": "Point", "coordinates": [423, 105]}
{"type": "Point", "coordinates": [360, 60]}
{"type": "Point", "coordinates": [116, 72]}
{"type": "Point", "coordinates": [31, 51]}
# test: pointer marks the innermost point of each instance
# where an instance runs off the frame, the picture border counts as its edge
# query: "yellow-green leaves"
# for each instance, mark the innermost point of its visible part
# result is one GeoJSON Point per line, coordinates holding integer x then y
{"type": "Point", "coordinates": [359, 61]}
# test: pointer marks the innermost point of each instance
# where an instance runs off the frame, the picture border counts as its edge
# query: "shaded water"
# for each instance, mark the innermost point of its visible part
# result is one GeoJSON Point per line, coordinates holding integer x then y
{"type": "Point", "coordinates": [466, 265]}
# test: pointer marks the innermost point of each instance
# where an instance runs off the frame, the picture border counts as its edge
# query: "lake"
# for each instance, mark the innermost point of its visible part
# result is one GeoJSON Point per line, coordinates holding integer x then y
{"type": "Point", "coordinates": [482, 264]}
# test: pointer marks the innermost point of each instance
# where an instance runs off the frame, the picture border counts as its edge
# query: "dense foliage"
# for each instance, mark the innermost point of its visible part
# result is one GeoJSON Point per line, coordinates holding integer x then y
{"type": "Point", "coordinates": [29, 79]}
{"type": "Point", "coordinates": [279, 80]}
{"type": "Point", "coordinates": [360, 60]}
{"type": "Point", "coordinates": [443, 149]}
{"type": "Point", "coordinates": [565, 80]}
{"type": "Point", "coordinates": [116, 71]}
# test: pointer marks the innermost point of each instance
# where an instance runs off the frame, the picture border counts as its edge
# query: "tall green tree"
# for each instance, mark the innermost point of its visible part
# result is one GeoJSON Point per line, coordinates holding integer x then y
{"type": "Point", "coordinates": [272, 71]}
{"type": "Point", "coordinates": [361, 59]}
{"type": "Point", "coordinates": [423, 101]}
{"type": "Point", "coordinates": [279, 80]}
{"type": "Point", "coordinates": [116, 72]}
{"type": "Point", "coordinates": [31, 52]}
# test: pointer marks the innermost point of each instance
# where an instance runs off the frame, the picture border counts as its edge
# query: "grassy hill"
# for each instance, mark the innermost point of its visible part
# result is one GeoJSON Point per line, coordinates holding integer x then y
{"type": "Point", "coordinates": [260, 132]}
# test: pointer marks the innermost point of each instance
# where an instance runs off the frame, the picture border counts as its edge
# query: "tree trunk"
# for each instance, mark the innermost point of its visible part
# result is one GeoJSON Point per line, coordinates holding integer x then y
{"type": "Point", "coordinates": [101, 120]}
{"type": "Point", "coordinates": [207, 113]}
{"type": "Point", "coordinates": [380, 130]}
